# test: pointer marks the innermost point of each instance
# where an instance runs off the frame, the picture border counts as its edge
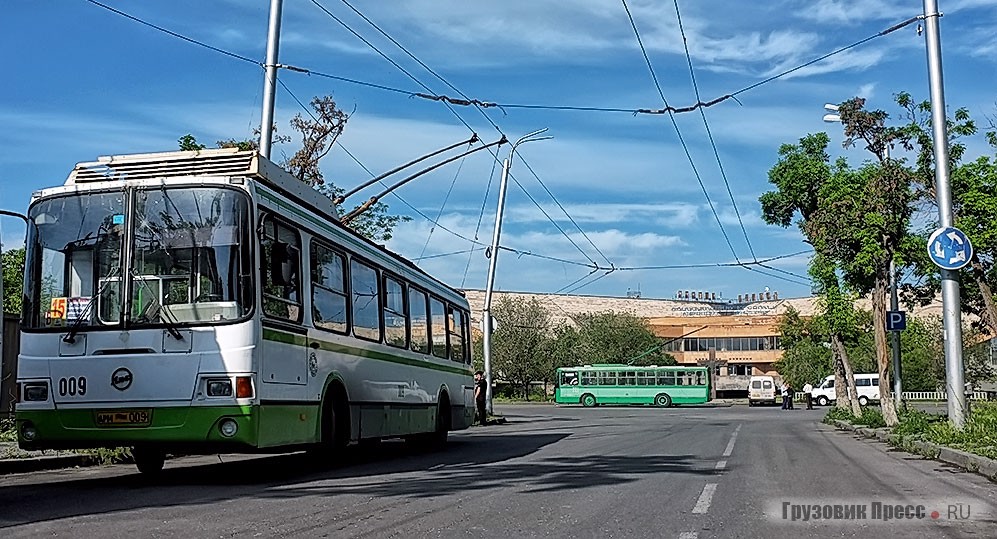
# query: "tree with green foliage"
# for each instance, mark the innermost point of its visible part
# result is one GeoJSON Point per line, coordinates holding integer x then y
{"type": "Point", "coordinates": [522, 342]}
{"type": "Point", "coordinates": [802, 177]}
{"type": "Point", "coordinates": [318, 134]}
{"type": "Point", "coordinates": [973, 185]}
{"type": "Point", "coordinates": [13, 280]}
{"type": "Point", "coordinates": [806, 355]}
{"type": "Point", "coordinates": [611, 337]}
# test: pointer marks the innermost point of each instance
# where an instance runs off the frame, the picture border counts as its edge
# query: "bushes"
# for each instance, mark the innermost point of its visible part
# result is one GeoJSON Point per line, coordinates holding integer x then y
{"type": "Point", "coordinates": [979, 435]}
{"type": "Point", "coordinates": [871, 417]}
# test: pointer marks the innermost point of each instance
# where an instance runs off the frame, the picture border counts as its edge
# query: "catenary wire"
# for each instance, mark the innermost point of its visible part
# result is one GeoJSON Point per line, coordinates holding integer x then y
{"type": "Point", "coordinates": [678, 132]}
{"type": "Point", "coordinates": [709, 132]}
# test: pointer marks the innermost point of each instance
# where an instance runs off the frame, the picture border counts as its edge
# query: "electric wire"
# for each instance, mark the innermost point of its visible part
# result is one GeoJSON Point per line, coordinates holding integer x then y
{"type": "Point", "coordinates": [446, 198]}
{"type": "Point", "coordinates": [486, 104]}
{"type": "Point", "coordinates": [678, 132]}
{"type": "Point", "coordinates": [452, 110]}
{"type": "Point", "coordinates": [709, 132]}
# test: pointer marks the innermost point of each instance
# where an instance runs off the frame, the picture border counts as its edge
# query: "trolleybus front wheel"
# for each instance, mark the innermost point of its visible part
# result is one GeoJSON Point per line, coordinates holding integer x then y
{"type": "Point", "coordinates": [149, 460]}
{"type": "Point", "coordinates": [662, 400]}
{"type": "Point", "coordinates": [588, 400]}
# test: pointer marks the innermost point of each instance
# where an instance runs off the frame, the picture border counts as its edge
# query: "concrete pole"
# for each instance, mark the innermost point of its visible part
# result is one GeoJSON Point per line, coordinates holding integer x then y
{"type": "Point", "coordinates": [951, 319]}
{"type": "Point", "coordinates": [270, 78]}
{"type": "Point", "coordinates": [492, 253]}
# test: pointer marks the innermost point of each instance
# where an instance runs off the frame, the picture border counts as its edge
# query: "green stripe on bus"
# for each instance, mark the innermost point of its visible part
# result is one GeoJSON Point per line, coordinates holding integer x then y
{"type": "Point", "coordinates": [77, 427]}
{"type": "Point", "coordinates": [298, 340]}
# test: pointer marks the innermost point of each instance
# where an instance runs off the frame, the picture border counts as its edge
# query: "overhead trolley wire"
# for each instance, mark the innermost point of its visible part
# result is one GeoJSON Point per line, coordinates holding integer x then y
{"type": "Point", "coordinates": [432, 96]}
{"type": "Point", "coordinates": [678, 132]}
{"type": "Point", "coordinates": [709, 132]}
{"type": "Point", "coordinates": [454, 112]}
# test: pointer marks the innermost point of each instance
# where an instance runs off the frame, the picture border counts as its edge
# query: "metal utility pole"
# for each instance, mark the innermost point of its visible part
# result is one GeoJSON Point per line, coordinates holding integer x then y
{"type": "Point", "coordinates": [951, 319]}
{"type": "Point", "coordinates": [895, 340]}
{"type": "Point", "coordinates": [492, 253]}
{"type": "Point", "coordinates": [270, 79]}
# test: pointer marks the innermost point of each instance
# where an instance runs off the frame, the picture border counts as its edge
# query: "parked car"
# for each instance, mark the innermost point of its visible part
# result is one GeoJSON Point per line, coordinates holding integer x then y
{"type": "Point", "coordinates": [761, 389]}
{"type": "Point", "coordinates": [867, 386]}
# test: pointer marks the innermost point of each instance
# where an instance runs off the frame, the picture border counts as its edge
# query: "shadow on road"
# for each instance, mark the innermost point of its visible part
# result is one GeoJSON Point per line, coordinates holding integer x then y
{"type": "Point", "coordinates": [389, 469]}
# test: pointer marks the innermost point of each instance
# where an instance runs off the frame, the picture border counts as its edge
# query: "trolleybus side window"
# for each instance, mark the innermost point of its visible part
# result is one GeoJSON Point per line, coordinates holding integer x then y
{"type": "Point", "coordinates": [366, 301]}
{"type": "Point", "coordinates": [281, 267]}
{"type": "Point", "coordinates": [438, 328]}
{"type": "Point", "coordinates": [466, 328]}
{"type": "Point", "coordinates": [455, 325]}
{"type": "Point", "coordinates": [328, 289]}
{"type": "Point", "coordinates": [419, 316]}
{"type": "Point", "coordinates": [395, 319]}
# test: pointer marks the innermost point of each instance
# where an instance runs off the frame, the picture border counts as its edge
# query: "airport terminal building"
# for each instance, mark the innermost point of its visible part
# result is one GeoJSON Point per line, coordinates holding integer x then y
{"type": "Point", "coordinates": [742, 332]}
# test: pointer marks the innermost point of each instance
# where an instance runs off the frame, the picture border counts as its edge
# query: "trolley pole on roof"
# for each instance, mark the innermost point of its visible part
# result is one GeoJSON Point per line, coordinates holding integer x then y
{"type": "Point", "coordinates": [270, 78]}
{"type": "Point", "coordinates": [492, 254]}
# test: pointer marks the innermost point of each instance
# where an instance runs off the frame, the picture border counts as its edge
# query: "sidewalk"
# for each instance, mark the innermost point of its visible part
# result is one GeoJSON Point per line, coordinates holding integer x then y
{"type": "Point", "coordinates": [14, 460]}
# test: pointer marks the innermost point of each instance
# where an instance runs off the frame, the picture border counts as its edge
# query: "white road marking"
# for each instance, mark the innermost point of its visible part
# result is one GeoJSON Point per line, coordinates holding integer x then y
{"type": "Point", "coordinates": [730, 444]}
{"type": "Point", "coordinates": [437, 467]}
{"type": "Point", "coordinates": [703, 504]}
{"type": "Point", "coordinates": [688, 535]}
{"type": "Point", "coordinates": [721, 465]}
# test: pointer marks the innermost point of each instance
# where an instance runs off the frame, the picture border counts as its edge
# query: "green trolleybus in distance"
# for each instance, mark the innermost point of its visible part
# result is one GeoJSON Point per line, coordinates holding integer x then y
{"type": "Point", "coordinates": [592, 385]}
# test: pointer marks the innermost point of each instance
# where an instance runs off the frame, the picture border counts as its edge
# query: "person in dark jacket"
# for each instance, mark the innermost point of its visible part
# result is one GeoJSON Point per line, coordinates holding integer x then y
{"type": "Point", "coordinates": [480, 388]}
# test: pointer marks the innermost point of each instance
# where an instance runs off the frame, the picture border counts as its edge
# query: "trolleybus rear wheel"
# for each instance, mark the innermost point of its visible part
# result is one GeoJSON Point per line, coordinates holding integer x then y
{"type": "Point", "coordinates": [662, 400]}
{"type": "Point", "coordinates": [148, 460]}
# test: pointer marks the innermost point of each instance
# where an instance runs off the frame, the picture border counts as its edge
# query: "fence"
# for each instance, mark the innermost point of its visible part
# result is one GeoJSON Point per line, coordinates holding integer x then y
{"type": "Point", "coordinates": [914, 396]}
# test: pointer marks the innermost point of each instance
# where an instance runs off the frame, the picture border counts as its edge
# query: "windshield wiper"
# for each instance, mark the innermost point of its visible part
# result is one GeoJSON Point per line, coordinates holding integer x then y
{"type": "Point", "coordinates": [161, 312]}
{"type": "Point", "coordinates": [71, 336]}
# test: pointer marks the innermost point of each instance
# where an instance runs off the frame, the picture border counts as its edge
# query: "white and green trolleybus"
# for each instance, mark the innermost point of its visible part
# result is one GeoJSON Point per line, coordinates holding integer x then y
{"type": "Point", "coordinates": [592, 385]}
{"type": "Point", "coordinates": [203, 302]}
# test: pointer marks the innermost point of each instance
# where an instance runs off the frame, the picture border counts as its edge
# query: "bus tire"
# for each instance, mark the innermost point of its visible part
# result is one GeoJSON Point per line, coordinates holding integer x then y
{"type": "Point", "coordinates": [863, 401]}
{"type": "Point", "coordinates": [588, 400]}
{"type": "Point", "coordinates": [149, 460]}
{"type": "Point", "coordinates": [823, 400]}
{"type": "Point", "coordinates": [437, 439]}
{"type": "Point", "coordinates": [662, 400]}
{"type": "Point", "coordinates": [335, 426]}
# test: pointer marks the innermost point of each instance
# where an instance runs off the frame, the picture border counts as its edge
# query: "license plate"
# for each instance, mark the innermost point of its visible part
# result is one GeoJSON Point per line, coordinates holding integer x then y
{"type": "Point", "coordinates": [124, 418]}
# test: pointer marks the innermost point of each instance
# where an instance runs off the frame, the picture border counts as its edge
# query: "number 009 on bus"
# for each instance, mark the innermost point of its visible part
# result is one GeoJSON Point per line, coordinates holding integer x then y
{"type": "Point", "coordinates": [592, 385]}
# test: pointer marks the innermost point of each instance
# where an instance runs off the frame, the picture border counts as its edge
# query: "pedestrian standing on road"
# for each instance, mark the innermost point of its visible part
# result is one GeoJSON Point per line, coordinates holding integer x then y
{"type": "Point", "coordinates": [808, 390]}
{"type": "Point", "coordinates": [784, 393]}
{"type": "Point", "coordinates": [790, 392]}
{"type": "Point", "coordinates": [479, 398]}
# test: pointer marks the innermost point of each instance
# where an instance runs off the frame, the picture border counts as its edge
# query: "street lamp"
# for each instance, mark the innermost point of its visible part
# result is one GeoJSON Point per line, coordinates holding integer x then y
{"type": "Point", "coordinates": [833, 116]}
{"type": "Point", "coordinates": [492, 253]}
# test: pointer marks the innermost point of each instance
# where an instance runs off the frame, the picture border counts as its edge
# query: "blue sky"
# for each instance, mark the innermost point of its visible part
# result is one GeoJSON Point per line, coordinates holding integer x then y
{"type": "Point", "coordinates": [82, 81]}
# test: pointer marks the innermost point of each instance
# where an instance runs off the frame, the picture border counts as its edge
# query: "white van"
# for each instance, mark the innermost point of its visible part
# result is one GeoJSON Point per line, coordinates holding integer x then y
{"type": "Point", "coordinates": [761, 389]}
{"type": "Point", "coordinates": [867, 386]}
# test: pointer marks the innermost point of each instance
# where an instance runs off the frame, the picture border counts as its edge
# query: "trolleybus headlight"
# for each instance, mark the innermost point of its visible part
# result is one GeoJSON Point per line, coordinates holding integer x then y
{"type": "Point", "coordinates": [36, 391]}
{"type": "Point", "coordinates": [243, 387]}
{"type": "Point", "coordinates": [28, 431]}
{"type": "Point", "coordinates": [220, 388]}
{"type": "Point", "coordinates": [228, 428]}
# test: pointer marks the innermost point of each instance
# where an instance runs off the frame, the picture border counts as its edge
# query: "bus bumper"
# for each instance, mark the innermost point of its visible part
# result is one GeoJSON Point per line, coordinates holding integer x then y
{"type": "Point", "coordinates": [181, 427]}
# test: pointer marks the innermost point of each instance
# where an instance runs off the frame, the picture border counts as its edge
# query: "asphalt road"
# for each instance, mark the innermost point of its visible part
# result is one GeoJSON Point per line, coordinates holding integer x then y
{"type": "Point", "coordinates": [550, 472]}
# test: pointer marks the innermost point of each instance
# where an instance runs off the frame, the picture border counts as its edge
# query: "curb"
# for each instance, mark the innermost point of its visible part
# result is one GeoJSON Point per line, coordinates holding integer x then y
{"type": "Point", "coordinates": [970, 462]}
{"type": "Point", "coordinates": [36, 464]}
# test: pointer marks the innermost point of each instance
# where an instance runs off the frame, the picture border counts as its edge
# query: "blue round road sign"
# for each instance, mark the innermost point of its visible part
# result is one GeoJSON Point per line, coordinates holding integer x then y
{"type": "Point", "coordinates": [949, 248]}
